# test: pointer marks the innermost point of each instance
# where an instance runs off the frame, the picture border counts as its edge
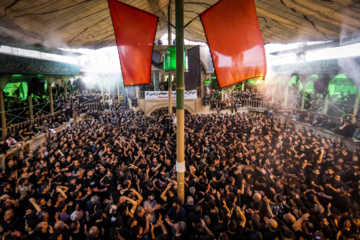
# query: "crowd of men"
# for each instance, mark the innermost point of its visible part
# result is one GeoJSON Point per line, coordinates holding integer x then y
{"type": "Point", "coordinates": [234, 99]}
{"type": "Point", "coordinates": [248, 176]}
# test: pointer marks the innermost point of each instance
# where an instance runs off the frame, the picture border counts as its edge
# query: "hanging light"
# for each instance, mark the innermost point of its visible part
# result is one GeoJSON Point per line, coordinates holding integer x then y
{"type": "Point", "coordinates": [169, 60]}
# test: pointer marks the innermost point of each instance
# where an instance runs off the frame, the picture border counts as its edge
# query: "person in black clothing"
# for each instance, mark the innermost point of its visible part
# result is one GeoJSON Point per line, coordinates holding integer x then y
{"type": "Point", "coordinates": [246, 176]}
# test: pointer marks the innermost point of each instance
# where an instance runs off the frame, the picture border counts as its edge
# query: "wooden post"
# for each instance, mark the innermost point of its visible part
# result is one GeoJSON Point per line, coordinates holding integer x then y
{"type": "Point", "coordinates": [4, 79]}
{"type": "Point", "coordinates": [286, 94]}
{"type": "Point", "coordinates": [73, 108]}
{"type": "Point", "coordinates": [66, 80]}
{"type": "Point", "coordinates": [303, 100]}
{"type": "Point", "coordinates": [3, 115]}
{"type": "Point", "coordinates": [51, 99]}
{"type": "Point", "coordinates": [102, 93]}
{"type": "Point", "coordinates": [356, 104]}
{"type": "Point", "coordinates": [326, 104]}
{"type": "Point", "coordinates": [273, 95]}
{"type": "Point", "coordinates": [50, 79]}
{"type": "Point", "coordinates": [31, 109]}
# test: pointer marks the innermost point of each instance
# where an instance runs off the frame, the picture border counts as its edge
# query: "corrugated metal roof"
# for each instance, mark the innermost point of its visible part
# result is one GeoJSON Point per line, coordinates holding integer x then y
{"type": "Point", "coordinates": [47, 24]}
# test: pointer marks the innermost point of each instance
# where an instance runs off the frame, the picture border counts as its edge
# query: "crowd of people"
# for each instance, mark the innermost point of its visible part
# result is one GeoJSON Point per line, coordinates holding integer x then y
{"type": "Point", "coordinates": [248, 176]}
{"type": "Point", "coordinates": [234, 99]}
{"type": "Point", "coordinates": [17, 108]}
{"type": "Point", "coordinates": [18, 112]}
{"type": "Point", "coordinates": [347, 125]}
{"type": "Point", "coordinates": [338, 103]}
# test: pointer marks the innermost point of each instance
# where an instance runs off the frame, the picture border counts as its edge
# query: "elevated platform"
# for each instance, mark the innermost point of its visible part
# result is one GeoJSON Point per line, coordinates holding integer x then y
{"type": "Point", "coordinates": [194, 106]}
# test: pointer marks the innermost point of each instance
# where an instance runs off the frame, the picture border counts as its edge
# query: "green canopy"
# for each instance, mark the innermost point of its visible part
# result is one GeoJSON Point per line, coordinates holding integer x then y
{"type": "Point", "coordinates": [17, 86]}
{"type": "Point", "coordinates": [341, 83]}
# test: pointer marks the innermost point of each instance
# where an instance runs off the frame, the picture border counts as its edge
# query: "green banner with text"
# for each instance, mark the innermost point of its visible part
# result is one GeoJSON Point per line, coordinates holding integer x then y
{"type": "Point", "coordinates": [23, 65]}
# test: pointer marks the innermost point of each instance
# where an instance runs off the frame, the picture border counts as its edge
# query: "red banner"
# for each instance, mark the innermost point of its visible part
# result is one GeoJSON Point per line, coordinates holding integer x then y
{"type": "Point", "coordinates": [135, 33]}
{"type": "Point", "coordinates": [235, 41]}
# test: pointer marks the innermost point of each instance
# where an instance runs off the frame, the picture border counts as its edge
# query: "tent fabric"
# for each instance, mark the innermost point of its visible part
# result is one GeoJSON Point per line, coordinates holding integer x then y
{"type": "Point", "coordinates": [17, 88]}
{"type": "Point", "coordinates": [135, 33]}
{"type": "Point", "coordinates": [341, 83]}
{"type": "Point", "coordinates": [235, 41]}
{"type": "Point", "coordinates": [193, 76]}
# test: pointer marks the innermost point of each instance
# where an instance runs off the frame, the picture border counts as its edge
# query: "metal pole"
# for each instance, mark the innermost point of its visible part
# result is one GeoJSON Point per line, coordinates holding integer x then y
{"type": "Point", "coordinates": [31, 109]}
{"type": "Point", "coordinates": [3, 116]}
{"type": "Point", "coordinates": [169, 44]}
{"type": "Point", "coordinates": [180, 85]}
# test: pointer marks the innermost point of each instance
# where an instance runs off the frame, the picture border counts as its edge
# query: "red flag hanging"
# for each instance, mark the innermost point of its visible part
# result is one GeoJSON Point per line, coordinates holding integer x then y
{"type": "Point", "coordinates": [235, 41]}
{"type": "Point", "coordinates": [135, 33]}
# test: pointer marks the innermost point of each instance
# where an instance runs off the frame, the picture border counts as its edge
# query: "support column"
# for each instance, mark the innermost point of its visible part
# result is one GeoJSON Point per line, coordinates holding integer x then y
{"type": "Point", "coordinates": [286, 94]}
{"type": "Point", "coordinates": [73, 108]}
{"type": "Point", "coordinates": [273, 95]}
{"type": "Point", "coordinates": [157, 78]}
{"type": "Point", "coordinates": [50, 79]}
{"type": "Point", "coordinates": [180, 85]}
{"type": "Point", "coordinates": [303, 100]}
{"type": "Point", "coordinates": [169, 44]}
{"type": "Point", "coordinates": [31, 109]}
{"type": "Point", "coordinates": [3, 115]}
{"type": "Point", "coordinates": [356, 104]}
{"type": "Point", "coordinates": [102, 92]}
{"type": "Point", "coordinates": [118, 90]}
{"type": "Point", "coordinates": [51, 99]}
{"type": "Point", "coordinates": [4, 79]}
{"type": "Point", "coordinates": [77, 97]}
{"type": "Point", "coordinates": [65, 80]}
{"type": "Point", "coordinates": [326, 104]}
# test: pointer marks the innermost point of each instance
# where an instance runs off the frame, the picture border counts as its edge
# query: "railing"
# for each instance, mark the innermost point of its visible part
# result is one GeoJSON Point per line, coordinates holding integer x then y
{"type": "Point", "coordinates": [37, 120]}
{"type": "Point", "coordinates": [93, 106]}
{"type": "Point", "coordinates": [17, 115]}
{"type": "Point", "coordinates": [255, 104]}
{"type": "Point", "coordinates": [141, 94]}
{"type": "Point", "coordinates": [41, 108]}
{"type": "Point", "coordinates": [334, 108]}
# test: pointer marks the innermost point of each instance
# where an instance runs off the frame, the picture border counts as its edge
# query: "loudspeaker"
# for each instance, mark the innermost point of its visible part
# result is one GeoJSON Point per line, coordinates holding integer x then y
{"type": "Point", "coordinates": [134, 102]}
{"type": "Point", "coordinates": [321, 85]}
{"type": "Point", "coordinates": [80, 85]}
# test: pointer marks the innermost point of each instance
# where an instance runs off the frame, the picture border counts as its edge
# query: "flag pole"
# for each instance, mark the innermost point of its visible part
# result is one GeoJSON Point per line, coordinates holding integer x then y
{"type": "Point", "coordinates": [180, 124]}
{"type": "Point", "coordinates": [169, 45]}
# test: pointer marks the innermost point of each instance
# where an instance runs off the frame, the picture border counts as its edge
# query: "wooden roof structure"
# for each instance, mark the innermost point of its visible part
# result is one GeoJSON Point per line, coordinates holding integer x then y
{"type": "Point", "coordinates": [49, 24]}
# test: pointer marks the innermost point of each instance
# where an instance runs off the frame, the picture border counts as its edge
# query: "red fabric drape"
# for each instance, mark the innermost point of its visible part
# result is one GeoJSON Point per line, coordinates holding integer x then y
{"type": "Point", "coordinates": [235, 41]}
{"type": "Point", "coordinates": [135, 32]}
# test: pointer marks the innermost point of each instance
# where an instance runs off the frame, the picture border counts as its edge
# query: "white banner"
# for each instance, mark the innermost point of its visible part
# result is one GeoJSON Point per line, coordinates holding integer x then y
{"type": "Point", "coordinates": [158, 95]}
